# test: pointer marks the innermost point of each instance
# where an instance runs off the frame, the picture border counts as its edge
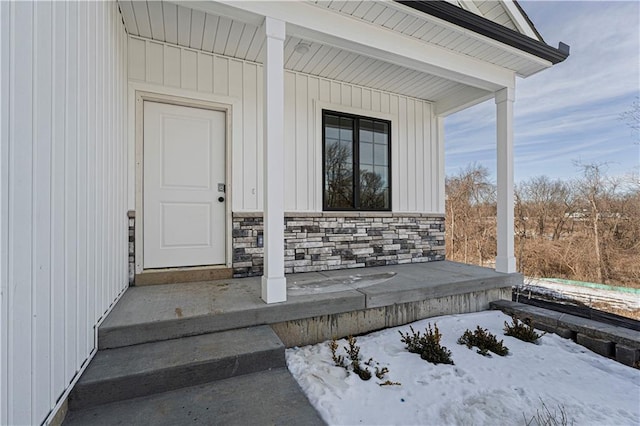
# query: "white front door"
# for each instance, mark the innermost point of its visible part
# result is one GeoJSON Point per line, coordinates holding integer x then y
{"type": "Point", "coordinates": [183, 189]}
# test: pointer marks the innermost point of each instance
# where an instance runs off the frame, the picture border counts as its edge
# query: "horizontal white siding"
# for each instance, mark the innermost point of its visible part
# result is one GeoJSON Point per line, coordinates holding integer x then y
{"type": "Point", "coordinates": [415, 165]}
{"type": "Point", "coordinates": [63, 257]}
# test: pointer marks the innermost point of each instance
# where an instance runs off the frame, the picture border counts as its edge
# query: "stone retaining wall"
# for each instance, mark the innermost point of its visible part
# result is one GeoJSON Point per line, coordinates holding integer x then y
{"type": "Point", "coordinates": [326, 241]}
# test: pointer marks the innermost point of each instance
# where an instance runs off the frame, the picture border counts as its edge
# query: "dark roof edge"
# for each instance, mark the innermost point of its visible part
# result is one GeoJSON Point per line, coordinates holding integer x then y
{"type": "Point", "coordinates": [481, 25]}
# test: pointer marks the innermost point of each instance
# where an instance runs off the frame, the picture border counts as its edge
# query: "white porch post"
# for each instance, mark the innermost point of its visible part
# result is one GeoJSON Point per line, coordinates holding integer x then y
{"type": "Point", "coordinates": [505, 259]}
{"type": "Point", "coordinates": [274, 284]}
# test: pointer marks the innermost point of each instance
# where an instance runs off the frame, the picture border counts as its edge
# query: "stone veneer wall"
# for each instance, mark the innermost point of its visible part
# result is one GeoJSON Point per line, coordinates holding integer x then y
{"type": "Point", "coordinates": [326, 241]}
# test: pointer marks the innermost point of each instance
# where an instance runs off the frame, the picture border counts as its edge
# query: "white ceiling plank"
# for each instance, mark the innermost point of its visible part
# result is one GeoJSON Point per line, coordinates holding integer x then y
{"type": "Point", "coordinates": [157, 20]}
{"type": "Point", "coordinates": [346, 63]}
{"type": "Point", "coordinates": [373, 13]}
{"type": "Point", "coordinates": [457, 41]}
{"type": "Point", "coordinates": [302, 60]}
{"type": "Point", "coordinates": [362, 9]}
{"type": "Point", "coordinates": [414, 27]}
{"type": "Point", "coordinates": [384, 16]}
{"type": "Point", "coordinates": [402, 25]}
{"type": "Point", "coordinates": [248, 33]}
{"type": "Point", "coordinates": [260, 55]}
{"type": "Point", "coordinates": [290, 57]}
{"type": "Point", "coordinates": [210, 29]}
{"type": "Point", "coordinates": [335, 63]}
{"type": "Point", "coordinates": [433, 32]}
{"type": "Point", "coordinates": [235, 33]}
{"type": "Point", "coordinates": [184, 26]}
{"type": "Point", "coordinates": [170, 21]}
{"type": "Point", "coordinates": [420, 33]}
{"type": "Point", "coordinates": [410, 83]}
{"type": "Point", "coordinates": [197, 29]}
{"type": "Point", "coordinates": [350, 7]}
{"type": "Point", "coordinates": [129, 17]}
{"type": "Point", "coordinates": [359, 72]}
{"type": "Point", "coordinates": [384, 75]}
{"type": "Point", "coordinates": [335, 5]}
{"type": "Point", "coordinates": [394, 19]}
{"type": "Point", "coordinates": [142, 18]}
{"type": "Point", "coordinates": [349, 69]}
{"type": "Point", "coordinates": [441, 36]}
{"type": "Point", "coordinates": [222, 35]}
{"type": "Point", "coordinates": [256, 45]}
{"type": "Point", "coordinates": [378, 69]}
{"type": "Point", "coordinates": [329, 56]}
{"type": "Point", "coordinates": [318, 56]}
{"type": "Point", "coordinates": [449, 39]}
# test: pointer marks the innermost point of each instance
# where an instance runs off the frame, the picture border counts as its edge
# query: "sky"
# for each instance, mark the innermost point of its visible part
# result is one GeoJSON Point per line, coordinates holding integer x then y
{"type": "Point", "coordinates": [571, 112]}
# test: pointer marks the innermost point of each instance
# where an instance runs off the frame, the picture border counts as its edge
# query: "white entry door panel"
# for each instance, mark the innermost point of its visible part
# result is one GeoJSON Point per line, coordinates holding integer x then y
{"type": "Point", "coordinates": [184, 163]}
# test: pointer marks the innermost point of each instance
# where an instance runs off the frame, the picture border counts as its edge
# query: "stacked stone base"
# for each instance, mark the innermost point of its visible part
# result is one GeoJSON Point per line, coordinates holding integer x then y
{"type": "Point", "coordinates": [327, 241]}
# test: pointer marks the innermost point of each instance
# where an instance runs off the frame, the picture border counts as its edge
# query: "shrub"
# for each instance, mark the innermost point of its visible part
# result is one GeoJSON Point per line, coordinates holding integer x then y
{"type": "Point", "coordinates": [522, 330]}
{"type": "Point", "coordinates": [428, 345]}
{"type": "Point", "coordinates": [546, 417]}
{"type": "Point", "coordinates": [484, 341]}
{"type": "Point", "coordinates": [353, 355]}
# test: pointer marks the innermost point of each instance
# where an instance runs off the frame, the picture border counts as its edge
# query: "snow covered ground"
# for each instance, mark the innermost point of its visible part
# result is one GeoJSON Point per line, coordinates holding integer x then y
{"type": "Point", "coordinates": [624, 302]}
{"type": "Point", "coordinates": [476, 390]}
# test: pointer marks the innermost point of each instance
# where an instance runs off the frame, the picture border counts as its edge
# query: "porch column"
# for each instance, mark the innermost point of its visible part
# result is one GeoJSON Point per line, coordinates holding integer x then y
{"type": "Point", "coordinates": [505, 259]}
{"type": "Point", "coordinates": [274, 284]}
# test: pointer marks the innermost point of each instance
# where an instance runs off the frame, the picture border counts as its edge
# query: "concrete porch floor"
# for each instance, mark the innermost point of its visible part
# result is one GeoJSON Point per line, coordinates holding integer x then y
{"type": "Point", "coordinates": [320, 305]}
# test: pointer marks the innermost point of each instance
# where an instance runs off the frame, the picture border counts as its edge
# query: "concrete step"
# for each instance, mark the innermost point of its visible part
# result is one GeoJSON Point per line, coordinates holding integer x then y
{"type": "Point", "coordinates": [265, 398]}
{"type": "Point", "coordinates": [162, 312]}
{"type": "Point", "coordinates": [140, 370]}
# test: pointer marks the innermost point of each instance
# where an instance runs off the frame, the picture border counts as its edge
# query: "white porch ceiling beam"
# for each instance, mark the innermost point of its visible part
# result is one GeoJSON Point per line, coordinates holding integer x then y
{"type": "Point", "coordinates": [465, 98]}
{"type": "Point", "coordinates": [325, 26]}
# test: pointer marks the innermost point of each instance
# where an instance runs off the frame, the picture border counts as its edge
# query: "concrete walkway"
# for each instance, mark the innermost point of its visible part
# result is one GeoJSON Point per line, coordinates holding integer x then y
{"type": "Point", "coordinates": [269, 397]}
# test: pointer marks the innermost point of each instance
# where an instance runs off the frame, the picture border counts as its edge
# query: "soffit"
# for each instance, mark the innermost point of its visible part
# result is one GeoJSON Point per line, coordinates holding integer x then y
{"type": "Point", "coordinates": [429, 29]}
{"type": "Point", "coordinates": [183, 26]}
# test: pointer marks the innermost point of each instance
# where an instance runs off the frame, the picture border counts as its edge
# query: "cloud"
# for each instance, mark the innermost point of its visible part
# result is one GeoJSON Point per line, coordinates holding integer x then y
{"type": "Point", "coordinates": [572, 110]}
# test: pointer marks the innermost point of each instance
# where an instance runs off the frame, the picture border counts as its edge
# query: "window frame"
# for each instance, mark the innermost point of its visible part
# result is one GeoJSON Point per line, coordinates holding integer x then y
{"type": "Point", "coordinates": [355, 161]}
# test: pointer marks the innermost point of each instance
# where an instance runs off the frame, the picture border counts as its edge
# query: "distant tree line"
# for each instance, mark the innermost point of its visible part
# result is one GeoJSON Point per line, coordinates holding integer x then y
{"type": "Point", "coordinates": [586, 229]}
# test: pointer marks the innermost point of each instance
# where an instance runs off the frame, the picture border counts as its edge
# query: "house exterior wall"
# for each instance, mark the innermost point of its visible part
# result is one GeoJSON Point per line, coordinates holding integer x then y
{"type": "Point", "coordinates": [412, 232]}
{"type": "Point", "coordinates": [417, 175]}
{"type": "Point", "coordinates": [63, 213]}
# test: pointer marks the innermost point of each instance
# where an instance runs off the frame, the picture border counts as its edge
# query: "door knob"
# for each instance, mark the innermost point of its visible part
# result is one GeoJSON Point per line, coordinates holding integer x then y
{"type": "Point", "coordinates": [221, 199]}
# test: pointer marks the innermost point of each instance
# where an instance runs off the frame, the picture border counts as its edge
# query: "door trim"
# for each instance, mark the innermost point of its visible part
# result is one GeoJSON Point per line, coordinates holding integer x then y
{"type": "Point", "coordinates": [142, 96]}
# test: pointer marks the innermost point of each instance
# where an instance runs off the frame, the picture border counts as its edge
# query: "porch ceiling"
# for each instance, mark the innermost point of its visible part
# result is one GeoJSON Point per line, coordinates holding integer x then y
{"type": "Point", "coordinates": [210, 27]}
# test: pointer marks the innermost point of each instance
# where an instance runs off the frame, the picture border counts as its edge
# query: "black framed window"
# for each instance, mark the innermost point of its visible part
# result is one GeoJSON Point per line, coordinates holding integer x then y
{"type": "Point", "coordinates": [356, 166]}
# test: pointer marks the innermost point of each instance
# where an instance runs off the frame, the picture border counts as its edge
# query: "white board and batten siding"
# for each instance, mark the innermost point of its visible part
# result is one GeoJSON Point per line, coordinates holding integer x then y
{"type": "Point", "coordinates": [417, 175]}
{"type": "Point", "coordinates": [63, 212]}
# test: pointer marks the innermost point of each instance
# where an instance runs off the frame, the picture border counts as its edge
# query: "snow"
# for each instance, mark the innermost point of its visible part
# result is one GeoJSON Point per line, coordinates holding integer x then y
{"type": "Point", "coordinates": [627, 301]}
{"type": "Point", "coordinates": [476, 390]}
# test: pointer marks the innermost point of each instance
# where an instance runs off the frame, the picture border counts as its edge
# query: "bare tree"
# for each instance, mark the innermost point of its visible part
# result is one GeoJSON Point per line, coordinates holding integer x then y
{"type": "Point", "coordinates": [470, 215]}
{"type": "Point", "coordinates": [631, 118]}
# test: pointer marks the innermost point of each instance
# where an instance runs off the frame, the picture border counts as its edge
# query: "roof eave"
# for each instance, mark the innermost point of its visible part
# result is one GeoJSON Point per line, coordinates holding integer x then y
{"type": "Point", "coordinates": [478, 24]}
